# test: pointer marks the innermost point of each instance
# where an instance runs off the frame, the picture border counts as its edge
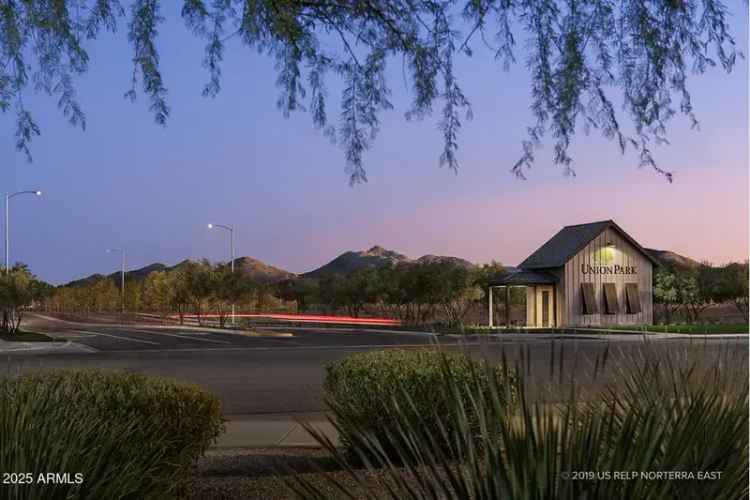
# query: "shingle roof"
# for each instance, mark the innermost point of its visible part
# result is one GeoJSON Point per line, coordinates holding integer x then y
{"type": "Point", "coordinates": [524, 277]}
{"type": "Point", "coordinates": [569, 241]}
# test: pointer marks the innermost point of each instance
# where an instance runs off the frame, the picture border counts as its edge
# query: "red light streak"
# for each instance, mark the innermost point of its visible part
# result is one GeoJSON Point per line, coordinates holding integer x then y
{"type": "Point", "coordinates": [304, 318]}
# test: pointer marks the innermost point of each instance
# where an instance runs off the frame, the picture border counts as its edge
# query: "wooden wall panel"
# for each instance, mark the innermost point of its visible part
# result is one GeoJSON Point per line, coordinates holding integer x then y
{"type": "Point", "coordinates": [624, 255]}
{"type": "Point", "coordinates": [530, 305]}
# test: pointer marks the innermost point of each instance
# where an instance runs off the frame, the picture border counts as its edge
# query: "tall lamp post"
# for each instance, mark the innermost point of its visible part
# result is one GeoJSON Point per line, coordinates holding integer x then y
{"type": "Point", "coordinates": [122, 276]}
{"type": "Point", "coordinates": [231, 254]}
{"type": "Point", "coordinates": [7, 223]}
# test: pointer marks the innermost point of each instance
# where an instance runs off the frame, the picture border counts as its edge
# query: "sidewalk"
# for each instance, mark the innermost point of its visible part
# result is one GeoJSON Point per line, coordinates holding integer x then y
{"type": "Point", "coordinates": [274, 430]}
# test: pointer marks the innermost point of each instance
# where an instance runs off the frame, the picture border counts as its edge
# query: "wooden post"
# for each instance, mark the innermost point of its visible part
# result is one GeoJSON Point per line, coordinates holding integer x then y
{"type": "Point", "coordinates": [490, 309]}
{"type": "Point", "coordinates": [507, 306]}
{"type": "Point", "coordinates": [554, 305]}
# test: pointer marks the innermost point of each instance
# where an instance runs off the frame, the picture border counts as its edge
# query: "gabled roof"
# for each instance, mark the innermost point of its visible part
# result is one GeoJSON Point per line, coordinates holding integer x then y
{"type": "Point", "coordinates": [572, 239]}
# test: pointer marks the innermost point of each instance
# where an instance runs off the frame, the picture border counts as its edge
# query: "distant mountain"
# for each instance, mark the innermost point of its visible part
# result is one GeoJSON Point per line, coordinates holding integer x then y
{"type": "Point", "coordinates": [442, 259]}
{"type": "Point", "coordinates": [140, 274]}
{"type": "Point", "coordinates": [260, 271]}
{"type": "Point", "coordinates": [136, 274]}
{"type": "Point", "coordinates": [671, 259]}
{"type": "Point", "coordinates": [377, 256]}
{"type": "Point", "coordinates": [348, 262]}
{"type": "Point", "coordinates": [252, 268]}
{"type": "Point", "coordinates": [86, 281]}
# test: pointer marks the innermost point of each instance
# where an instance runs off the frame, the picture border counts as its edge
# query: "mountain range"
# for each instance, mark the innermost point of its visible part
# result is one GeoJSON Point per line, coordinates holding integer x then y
{"type": "Point", "coordinates": [345, 263]}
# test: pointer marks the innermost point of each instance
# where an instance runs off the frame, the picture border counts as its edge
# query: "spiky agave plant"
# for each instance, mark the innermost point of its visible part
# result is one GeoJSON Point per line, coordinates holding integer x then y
{"type": "Point", "coordinates": [674, 411]}
{"type": "Point", "coordinates": [92, 457]}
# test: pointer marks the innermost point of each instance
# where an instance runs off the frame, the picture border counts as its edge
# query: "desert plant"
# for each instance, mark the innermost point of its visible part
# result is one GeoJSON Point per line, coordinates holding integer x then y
{"type": "Point", "coordinates": [733, 286]}
{"type": "Point", "coordinates": [127, 435]}
{"type": "Point", "coordinates": [676, 412]}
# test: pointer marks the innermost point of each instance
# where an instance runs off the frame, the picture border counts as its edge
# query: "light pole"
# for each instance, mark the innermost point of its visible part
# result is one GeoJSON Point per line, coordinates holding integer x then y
{"type": "Point", "coordinates": [231, 253]}
{"type": "Point", "coordinates": [122, 277]}
{"type": "Point", "coordinates": [7, 223]}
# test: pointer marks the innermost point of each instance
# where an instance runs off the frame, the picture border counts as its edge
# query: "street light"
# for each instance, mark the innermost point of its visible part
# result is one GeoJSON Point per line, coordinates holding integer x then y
{"type": "Point", "coordinates": [122, 276]}
{"type": "Point", "coordinates": [231, 253]}
{"type": "Point", "coordinates": [7, 223]}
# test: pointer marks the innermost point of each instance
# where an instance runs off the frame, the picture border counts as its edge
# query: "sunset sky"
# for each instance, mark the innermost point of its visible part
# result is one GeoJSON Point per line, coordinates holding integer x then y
{"type": "Point", "coordinates": [127, 182]}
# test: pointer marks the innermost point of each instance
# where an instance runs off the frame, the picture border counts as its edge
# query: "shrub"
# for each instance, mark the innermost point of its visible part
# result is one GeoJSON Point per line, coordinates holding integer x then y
{"type": "Point", "coordinates": [363, 388]}
{"type": "Point", "coordinates": [128, 435]}
{"type": "Point", "coordinates": [670, 410]}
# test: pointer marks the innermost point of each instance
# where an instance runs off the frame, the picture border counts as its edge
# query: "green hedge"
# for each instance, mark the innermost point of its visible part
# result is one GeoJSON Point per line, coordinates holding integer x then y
{"type": "Point", "coordinates": [128, 435]}
{"type": "Point", "coordinates": [363, 389]}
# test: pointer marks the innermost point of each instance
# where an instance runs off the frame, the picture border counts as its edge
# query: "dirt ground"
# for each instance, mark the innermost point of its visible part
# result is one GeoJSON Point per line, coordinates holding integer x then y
{"type": "Point", "coordinates": [266, 473]}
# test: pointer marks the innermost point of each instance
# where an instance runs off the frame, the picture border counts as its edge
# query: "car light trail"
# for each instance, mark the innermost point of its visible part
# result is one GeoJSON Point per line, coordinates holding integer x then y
{"type": "Point", "coordinates": [304, 318]}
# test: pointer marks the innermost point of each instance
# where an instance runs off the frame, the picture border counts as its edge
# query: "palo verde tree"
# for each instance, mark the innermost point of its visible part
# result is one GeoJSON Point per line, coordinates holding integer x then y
{"type": "Point", "coordinates": [229, 288]}
{"type": "Point", "coordinates": [667, 293]}
{"type": "Point", "coordinates": [158, 293]}
{"type": "Point", "coordinates": [732, 286]}
{"type": "Point", "coordinates": [303, 291]}
{"type": "Point", "coordinates": [460, 291]}
{"type": "Point", "coordinates": [19, 289]}
{"type": "Point", "coordinates": [594, 64]}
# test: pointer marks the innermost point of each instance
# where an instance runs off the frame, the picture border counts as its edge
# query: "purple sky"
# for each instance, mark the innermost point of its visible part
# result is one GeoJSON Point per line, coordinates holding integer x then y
{"type": "Point", "coordinates": [235, 160]}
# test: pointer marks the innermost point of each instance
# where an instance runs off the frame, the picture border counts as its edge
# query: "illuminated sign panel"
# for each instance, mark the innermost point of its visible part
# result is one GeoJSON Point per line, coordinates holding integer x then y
{"type": "Point", "coordinates": [604, 263]}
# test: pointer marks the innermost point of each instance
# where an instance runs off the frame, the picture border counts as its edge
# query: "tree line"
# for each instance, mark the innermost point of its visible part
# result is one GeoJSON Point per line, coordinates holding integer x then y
{"type": "Point", "coordinates": [195, 288]}
{"type": "Point", "coordinates": [685, 293]}
{"type": "Point", "coordinates": [415, 293]}
{"type": "Point", "coordinates": [442, 291]}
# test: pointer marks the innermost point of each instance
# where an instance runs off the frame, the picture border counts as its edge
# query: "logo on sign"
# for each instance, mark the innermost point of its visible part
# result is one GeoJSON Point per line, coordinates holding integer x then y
{"type": "Point", "coordinates": [616, 269]}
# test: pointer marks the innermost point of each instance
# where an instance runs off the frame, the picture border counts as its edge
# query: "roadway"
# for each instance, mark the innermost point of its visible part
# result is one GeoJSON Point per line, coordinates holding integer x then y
{"type": "Point", "coordinates": [280, 371]}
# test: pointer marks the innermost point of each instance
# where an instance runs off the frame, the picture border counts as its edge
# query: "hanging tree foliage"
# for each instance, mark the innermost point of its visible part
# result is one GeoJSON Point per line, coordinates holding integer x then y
{"type": "Point", "coordinates": [580, 54]}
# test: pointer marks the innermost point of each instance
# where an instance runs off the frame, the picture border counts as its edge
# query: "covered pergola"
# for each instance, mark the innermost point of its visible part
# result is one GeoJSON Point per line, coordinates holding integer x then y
{"type": "Point", "coordinates": [522, 278]}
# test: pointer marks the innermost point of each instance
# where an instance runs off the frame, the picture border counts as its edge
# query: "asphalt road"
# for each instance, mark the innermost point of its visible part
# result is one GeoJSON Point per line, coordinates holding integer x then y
{"type": "Point", "coordinates": [275, 374]}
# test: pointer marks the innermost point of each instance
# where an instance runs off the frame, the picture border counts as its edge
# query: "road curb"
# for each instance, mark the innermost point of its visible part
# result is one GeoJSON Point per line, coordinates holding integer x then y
{"type": "Point", "coordinates": [163, 327]}
{"type": "Point", "coordinates": [246, 333]}
{"type": "Point", "coordinates": [45, 347]}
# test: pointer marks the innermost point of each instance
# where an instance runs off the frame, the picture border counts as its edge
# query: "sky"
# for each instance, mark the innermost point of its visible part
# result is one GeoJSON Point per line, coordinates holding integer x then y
{"type": "Point", "coordinates": [127, 182]}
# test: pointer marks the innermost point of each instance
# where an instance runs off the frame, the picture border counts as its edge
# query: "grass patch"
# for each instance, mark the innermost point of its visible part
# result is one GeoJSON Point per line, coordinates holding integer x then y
{"type": "Point", "coordinates": [697, 329]}
{"type": "Point", "coordinates": [702, 329]}
{"type": "Point", "coordinates": [22, 336]}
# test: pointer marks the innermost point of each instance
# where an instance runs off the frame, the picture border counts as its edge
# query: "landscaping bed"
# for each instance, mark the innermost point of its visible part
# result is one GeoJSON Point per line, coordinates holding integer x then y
{"type": "Point", "coordinates": [259, 473]}
{"type": "Point", "coordinates": [22, 336]}
{"type": "Point", "coordinates": [698, 329]}
{"type": "Point", "coordinates": [265, 474]}
{"type": "Point", "coordinates": [123, 435]}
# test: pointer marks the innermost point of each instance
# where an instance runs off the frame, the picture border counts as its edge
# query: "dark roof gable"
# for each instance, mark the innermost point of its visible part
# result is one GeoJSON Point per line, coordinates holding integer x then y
{"type": "Point", "coordinates": [569, 241]}
{"type": "Point", "coordinates": [524, 277]}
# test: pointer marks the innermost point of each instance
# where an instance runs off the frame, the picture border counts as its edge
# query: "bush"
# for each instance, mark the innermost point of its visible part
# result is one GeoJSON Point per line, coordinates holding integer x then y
{"type": "Point", "coordinates": [128, 435]}
{"type": "Point", "coordinates": [363, 388]}
{"type": "Point", "coordinates": [672, 419]}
